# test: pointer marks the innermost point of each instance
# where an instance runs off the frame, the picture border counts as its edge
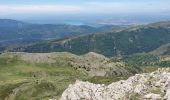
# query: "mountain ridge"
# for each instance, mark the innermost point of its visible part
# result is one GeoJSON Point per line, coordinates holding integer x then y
{"type": "Point", "coordinates": [125, 42]}
{"type": "Point", "coordinates": [14, 32]}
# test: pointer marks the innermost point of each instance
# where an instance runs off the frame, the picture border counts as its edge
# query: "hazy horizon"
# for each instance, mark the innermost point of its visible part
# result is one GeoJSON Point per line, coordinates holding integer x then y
{"type": "Point", "coordinates": [87, 11]}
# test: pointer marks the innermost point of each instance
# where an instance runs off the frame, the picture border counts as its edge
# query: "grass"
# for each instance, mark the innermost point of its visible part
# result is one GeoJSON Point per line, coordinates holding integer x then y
{"type": "Point", "coordinates": [46, 80]}
{"type": "Point", "coordinates": [6, 90]}
{"type": "Point", "coordinates": [134, 96]}
{"type": "Point", "coordinates": [105, 80]}
{"type": "Point", "coordinates": [39, 81]}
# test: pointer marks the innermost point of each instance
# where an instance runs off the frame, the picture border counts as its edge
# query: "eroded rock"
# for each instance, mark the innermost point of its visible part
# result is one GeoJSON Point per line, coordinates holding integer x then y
{"type": "Point", "coordinates": [152, 86]}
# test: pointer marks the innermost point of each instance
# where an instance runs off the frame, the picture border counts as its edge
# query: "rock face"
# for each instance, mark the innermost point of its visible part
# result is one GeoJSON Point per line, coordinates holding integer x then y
{"type": "Point", "coordinates": [152, 86]}
{"type": "Point", "coordinates": [99, 65]}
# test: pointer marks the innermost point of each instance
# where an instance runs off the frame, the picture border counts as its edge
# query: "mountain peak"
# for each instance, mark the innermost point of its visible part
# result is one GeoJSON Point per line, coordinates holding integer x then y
{"type": "Point", "coordinates": [11, 23]}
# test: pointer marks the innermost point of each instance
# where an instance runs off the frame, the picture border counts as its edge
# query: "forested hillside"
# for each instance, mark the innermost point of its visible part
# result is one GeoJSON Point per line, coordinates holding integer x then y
{"type": "Point", "coordinates": [129, 41]}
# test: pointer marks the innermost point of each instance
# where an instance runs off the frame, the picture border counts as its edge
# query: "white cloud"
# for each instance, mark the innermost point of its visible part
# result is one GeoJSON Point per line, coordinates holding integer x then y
{"type": "Point", "coordinates": [12, 9]}
{"type": "Point", "coordinates": [120, 7]}
{"type": "Point", "coordinates": [89, 7]}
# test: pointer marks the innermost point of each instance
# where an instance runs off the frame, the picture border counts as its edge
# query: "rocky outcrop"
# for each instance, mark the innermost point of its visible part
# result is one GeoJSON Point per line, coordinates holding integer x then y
{"type": "Point", "coordinates": [152, 86]}
{"type": "Point", "coordinates": [99, 65]}
{"type": "Point", "coordinates": [94, 64]}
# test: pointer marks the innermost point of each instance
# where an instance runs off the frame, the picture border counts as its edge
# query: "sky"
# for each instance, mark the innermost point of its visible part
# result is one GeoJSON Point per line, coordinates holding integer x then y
{"type": "Point", "coordinates": [80, 9]}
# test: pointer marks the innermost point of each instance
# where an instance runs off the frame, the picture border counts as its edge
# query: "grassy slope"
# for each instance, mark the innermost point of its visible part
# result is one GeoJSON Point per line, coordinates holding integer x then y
{"type": "Point", "coordinates": [21, 80]}
{"type": "Point", "coordinates": [41, 80]}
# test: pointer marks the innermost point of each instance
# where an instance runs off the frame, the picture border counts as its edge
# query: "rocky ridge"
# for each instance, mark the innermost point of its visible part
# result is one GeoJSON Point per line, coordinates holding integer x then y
{"type": "Point", "coordinates": [94, 64]}
{"type": "Point", "coordinates": [152, 86]}
{"type": "Point", "coordinates": [99, 65]}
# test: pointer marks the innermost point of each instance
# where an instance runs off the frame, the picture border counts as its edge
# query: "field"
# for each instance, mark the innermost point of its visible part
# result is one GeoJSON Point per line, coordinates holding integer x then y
{"type": "Point", "coordinates": [22, 80]}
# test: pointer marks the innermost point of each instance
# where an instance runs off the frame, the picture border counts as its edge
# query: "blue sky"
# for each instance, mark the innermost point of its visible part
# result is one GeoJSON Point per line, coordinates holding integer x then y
{"type": "Point", "coordinates": [32, 8]}
{"type": "Point", "coordinates": [82, 6]}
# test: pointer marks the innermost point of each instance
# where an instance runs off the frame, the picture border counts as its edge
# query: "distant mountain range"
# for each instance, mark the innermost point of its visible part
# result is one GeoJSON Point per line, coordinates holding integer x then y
{"type": "Point", "coordinates": [126, 42]}
{"type": "Point", "coordinates": [13, 32]}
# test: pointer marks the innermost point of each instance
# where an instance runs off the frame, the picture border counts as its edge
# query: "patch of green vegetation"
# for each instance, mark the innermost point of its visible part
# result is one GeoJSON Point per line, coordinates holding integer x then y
{"type": "Point", "coordinates": [141, 59]}
{"type": "Point", "coordinates": [105, 80]}
{"type": "Point", "coordinates": [139, 62]}
{"type": "Point", "coordinates": [156, 91]}
{"type": "Point", "coordinates": [149, 69]}
{"type": "Point", "coordinates": [164, 64]}
{"type": "Point", "coordinates": [7, 89]}
{"type": "Point", "coordinates": [134, 96]}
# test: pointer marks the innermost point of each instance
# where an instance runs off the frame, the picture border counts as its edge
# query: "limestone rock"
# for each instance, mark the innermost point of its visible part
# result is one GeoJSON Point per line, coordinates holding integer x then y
{"type": "Point", "coordinates": [152, 96]}
{"type": "Point", "coordinates": [152, 86]}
